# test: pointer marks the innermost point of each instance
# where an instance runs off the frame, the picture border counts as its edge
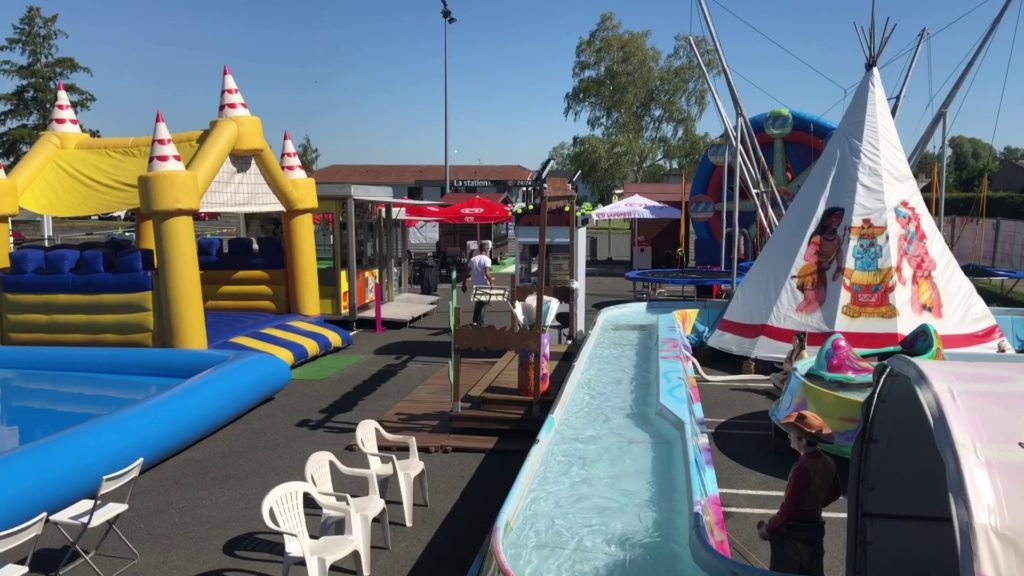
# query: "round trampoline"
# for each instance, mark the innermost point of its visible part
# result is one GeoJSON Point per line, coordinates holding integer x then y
{"type": "Point", "coordinates": [650, 279]}
{"type": "Point", "coordinates": [687, 276]}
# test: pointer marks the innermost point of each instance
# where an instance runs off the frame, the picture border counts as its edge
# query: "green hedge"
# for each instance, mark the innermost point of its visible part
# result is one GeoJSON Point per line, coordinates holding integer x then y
{"type": "Point", "coordinates": [1000, 204]}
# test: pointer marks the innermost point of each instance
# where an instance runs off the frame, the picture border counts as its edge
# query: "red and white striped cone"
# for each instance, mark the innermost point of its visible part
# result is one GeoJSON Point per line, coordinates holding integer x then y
{"type": "Point", "coordinates": [163, 154]}
{"type": "Point", "coordinates": [62, 117]}
{"type": "Point", "coordinates": [291, 165]}
{"type": "Point", "coordinates": [231, 101]}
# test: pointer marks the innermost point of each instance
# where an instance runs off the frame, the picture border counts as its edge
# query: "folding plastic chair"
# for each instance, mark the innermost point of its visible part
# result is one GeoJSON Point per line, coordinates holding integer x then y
{"type": "Point", "coordinates": [339, 507]}
{"type": "Point", "coordinates": [91, 513]}
{"type": "Point", "coordinates": [284, 511]}
{"type": "Point", "coordinates": [14, 537]}
{"type": "Point", "coordinates": [386, 465]}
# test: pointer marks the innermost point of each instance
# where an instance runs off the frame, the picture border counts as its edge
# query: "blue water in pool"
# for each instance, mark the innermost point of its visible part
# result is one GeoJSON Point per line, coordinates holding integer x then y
{"type": "Point", "coordinates": [610, 495]}
{"type": "Point", "coordinates": [37, 403]}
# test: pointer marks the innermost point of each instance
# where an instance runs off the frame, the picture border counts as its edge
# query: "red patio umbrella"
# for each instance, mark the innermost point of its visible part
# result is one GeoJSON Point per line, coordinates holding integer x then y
{"type": "Point", "coordinates": [476, 210]}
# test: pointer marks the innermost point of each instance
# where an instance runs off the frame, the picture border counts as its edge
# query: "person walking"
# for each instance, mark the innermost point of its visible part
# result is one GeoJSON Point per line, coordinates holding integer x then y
{"type": "Point", "coordinates": [480, 273]}
{"type": "Point", "coordinates": [797, 532]}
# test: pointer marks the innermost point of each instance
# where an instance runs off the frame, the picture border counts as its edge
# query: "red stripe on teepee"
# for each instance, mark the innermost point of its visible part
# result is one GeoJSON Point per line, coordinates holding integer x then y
{"type": "Point", "coordinates": [856, 339]}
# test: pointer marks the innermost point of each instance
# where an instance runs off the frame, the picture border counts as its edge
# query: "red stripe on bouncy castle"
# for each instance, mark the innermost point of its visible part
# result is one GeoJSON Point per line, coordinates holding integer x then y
{"type": "Point", "coordinates": [856, 339]}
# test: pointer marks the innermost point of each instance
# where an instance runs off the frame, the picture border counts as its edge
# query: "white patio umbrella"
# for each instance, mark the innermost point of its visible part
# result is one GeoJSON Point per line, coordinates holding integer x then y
{"type": "Point", "coordinates": [633, 208]}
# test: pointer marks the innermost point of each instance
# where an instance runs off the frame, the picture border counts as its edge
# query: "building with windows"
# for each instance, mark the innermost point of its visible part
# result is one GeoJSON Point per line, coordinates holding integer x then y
{"type": "Point", "coordinates": [426, 181]}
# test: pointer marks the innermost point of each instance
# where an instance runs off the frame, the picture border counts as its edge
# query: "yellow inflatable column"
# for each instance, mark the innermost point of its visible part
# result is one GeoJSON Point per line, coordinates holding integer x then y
{"type": "Point", "coordinates": [8, 209]}
{"type": "Point", "coordinates": [144, 238]}
{"type": "Point", "coordinates": [299, 200]}
{"type": "Point", "coordinates": [300, 259]}
{"type": "Point", "coordinates": [170, 195]}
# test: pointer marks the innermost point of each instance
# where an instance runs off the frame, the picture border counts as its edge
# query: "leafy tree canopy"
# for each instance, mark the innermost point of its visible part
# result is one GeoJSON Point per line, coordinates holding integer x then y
{"type": "Point", "coordinates": [971, 158]}
{"type": "Point", "coordinates": [309, 155]}
{"type": "Point", "coordinates": [641, 106]}
{"type": "Point", "coordinates": [1012, 154]}
{"type": "Point", "coordinates": [35, 70]}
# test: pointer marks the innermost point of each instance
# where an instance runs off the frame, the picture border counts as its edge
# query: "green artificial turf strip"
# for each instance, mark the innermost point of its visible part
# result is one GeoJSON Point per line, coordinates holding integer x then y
{"type": "Point", "coordinates": [327, 366]}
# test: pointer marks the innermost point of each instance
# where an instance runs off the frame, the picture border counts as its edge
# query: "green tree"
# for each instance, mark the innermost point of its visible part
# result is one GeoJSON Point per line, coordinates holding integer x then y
{"type": "Point", "coordinates": [924, 165]}
{"type": "Point", "coordinates": [309, 155]}
{"type": "Point", "coordinates": [641, 107]}
{"type": "Point", "coordinates": [1011, 154]}
{"type": "Point", "coordinates": [25, 110]}
{"type": "Point", "coordinates": [971, 158]}
{"type": "Point", "coordinates": [562, 155]}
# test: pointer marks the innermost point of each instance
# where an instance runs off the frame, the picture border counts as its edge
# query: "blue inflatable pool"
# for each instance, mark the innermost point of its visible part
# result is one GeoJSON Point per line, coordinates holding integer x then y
{"type": "Point", "coordinates": [70, 415]}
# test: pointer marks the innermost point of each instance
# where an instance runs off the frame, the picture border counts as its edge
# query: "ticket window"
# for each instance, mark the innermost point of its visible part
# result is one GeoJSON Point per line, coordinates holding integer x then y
{"type": "Point", "coordinates": [556, 272]}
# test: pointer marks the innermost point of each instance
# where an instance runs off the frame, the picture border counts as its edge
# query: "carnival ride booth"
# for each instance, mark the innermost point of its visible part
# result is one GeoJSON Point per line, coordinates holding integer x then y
{"type": "Point", "coordinates": [169, 290]}
{"type": "Point", "coordinates": [935, 471]}
{"type": "Point", "coordinates": [565, 238]}
{"type": "Point", "coordinates": [361, 233]}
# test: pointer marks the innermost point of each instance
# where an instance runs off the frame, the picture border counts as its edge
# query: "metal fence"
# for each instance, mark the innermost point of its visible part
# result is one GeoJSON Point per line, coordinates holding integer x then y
{"type": "Point", "coordinates": [996, 242]}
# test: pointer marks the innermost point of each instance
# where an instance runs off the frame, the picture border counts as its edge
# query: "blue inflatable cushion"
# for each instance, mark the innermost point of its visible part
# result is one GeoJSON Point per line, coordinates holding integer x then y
{"type": "Point", "coordinates": [210, 247]}
{"type": "Point", "coordinates": [61, 261]}
{"type": "Point", "coordinates": [91, 262]}
{"type": "Point", "coordinates": [26, 261]}
{"type": "Point", "coordinates": [129, 261]}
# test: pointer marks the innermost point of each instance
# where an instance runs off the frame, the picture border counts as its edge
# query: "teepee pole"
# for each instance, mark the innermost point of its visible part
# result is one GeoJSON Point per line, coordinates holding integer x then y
{"type": "Point", "coordinates": [910, 70]}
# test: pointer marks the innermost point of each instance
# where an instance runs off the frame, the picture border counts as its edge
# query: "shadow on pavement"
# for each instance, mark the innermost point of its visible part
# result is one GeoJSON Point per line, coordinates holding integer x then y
{"type": "Point", "coordinates": [457, 541]}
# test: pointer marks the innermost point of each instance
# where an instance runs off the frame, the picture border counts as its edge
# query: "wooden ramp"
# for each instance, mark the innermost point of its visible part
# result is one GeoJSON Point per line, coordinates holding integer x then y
{"type": "Point", "coordinates": [398, 311]}
{"type": "Point", "coordinates": [495, 418]}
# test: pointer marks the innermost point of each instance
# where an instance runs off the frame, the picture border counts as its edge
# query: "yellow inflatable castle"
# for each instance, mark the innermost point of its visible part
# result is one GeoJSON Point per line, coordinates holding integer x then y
{"type": "Point", "coordinates": [170, 289]}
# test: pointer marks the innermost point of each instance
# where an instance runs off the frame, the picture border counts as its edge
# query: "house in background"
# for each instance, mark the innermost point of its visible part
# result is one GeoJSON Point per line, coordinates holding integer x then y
{"type": "Point", "coordinates": [1009, 177]}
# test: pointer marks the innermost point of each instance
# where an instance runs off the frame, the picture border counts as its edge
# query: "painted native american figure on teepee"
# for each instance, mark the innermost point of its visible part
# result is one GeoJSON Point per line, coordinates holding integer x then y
{"type": "Point", "coordinates": [868, 283]}
{"type": "Point", "coordinates": [857, 253]}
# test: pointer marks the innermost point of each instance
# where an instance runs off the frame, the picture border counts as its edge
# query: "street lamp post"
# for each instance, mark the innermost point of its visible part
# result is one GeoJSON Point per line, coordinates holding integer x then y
{"type": "Point", "coordinates": [446, 15]}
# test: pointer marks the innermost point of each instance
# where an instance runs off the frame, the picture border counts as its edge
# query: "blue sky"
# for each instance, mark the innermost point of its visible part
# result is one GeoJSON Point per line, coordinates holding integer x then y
{"type": "Point", "coordinates": [364, 79]}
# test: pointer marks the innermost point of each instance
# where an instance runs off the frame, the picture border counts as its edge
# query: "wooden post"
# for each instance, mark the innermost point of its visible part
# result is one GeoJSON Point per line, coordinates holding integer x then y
{"type": "Point", "coordinates": [457, 366]}
{"type": "Point", "coordinates": [512, 297]}
{"type": "Point", "coordinates": [572, 264]}
{"type": "Point", "coordinates": [542, 264]}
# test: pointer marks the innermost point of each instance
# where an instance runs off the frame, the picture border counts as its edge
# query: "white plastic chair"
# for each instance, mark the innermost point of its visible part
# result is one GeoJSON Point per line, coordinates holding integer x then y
{"type": "Point", "coordinates": [284, 511]}
{"type": "Point", "coordinates": [340, 507]}
{"type": "Point", "coordinates": [91, 513]}
{"type": "Point", "coordinates": [14, 537]}
{"type": "Point", "coordinates": [406, 469]}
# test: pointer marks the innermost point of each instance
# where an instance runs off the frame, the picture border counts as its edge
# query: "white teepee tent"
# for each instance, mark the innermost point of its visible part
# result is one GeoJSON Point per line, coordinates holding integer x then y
{"type": "Point", "coordinates": [857, 253]}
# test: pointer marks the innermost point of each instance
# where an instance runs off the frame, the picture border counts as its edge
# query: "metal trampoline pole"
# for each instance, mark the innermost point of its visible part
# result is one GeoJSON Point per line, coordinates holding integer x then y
{"type": "Point", "coordinates": [736, 206]}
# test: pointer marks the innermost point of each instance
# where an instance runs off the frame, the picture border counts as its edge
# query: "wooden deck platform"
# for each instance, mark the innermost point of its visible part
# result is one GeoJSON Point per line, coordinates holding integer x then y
{"type": "Point", "coordinates": [411, 298]}
{"type": "Point", "coordinates": [494, 417]}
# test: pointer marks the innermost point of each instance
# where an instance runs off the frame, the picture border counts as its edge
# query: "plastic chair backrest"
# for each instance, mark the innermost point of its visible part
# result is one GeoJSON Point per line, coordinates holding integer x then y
{"type": "Point", "coordinates": [318, 471]}
{"type": "Point", "coordinates": [115, 480]}
{"type": "Point", "coordinates": [23, 533]}
{"type": "Point", "coordinates": [286, 502]}
{"type": "Point", "coordinates": [366, 438]}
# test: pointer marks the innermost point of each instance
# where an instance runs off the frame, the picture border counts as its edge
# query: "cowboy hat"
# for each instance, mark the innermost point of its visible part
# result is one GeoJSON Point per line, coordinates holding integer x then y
{"type": "Point", "coordinates": [808, 424]}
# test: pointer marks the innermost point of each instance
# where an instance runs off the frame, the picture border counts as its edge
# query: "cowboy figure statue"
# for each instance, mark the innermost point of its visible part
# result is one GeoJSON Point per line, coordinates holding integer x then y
{"type": "Point", "coordinates": [797, 532]}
